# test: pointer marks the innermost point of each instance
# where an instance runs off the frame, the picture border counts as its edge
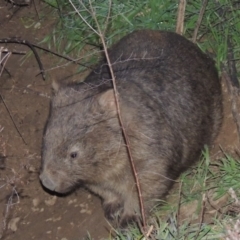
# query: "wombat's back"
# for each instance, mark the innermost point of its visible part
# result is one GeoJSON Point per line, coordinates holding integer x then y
{"type": "Point", "coordinates": [173, 74]}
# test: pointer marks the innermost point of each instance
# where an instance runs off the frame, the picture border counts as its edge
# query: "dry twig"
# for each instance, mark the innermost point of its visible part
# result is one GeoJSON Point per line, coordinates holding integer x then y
{"type": "Point", "coordinates": [232, 69]}
{"type": "Point", "coordinates": [32, 46]}
{"type": "Point", "coordinates": [20, 3]}
{"type": "Point", "coordinates": [24, 42]}
{"type": "Point", "coordinates": [3, 60]}
{"type": "Point", "coordinates": [13, 198]}
{"type": "Point", "coordinates": [179, 206]}
{"type": "Point", "coordinates": [202, 213]}
{"type": "Point", "coordinates": [180, 16]}
{"type": "Point", "coordinates": [12, 119]}
{"type": "Point", "coordinates": [200, 17]}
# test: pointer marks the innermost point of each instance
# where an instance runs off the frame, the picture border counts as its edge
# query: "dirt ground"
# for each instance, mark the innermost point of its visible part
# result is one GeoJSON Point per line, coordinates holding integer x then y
{"type": "Point", "coordinates": [26, 210]}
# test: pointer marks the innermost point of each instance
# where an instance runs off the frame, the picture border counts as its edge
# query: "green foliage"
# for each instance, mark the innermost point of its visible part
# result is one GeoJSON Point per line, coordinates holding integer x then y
{"type": "Point", "coordinates": [76, 36]}
{"type": "Point", "coordinates": [72, 33]}
{"type": "Point", "coordinates": [201, 173]}
{"type": "Point", "coordinates": [228, 175]}
{"type": "Point", "coordinates": [220, 24]}
{"type": "Point", "coordinates": [219, 175]}
{"type": "Point", "coordinates": [122, 17]}
{"type": "Point", "coordinates": [170, 230]}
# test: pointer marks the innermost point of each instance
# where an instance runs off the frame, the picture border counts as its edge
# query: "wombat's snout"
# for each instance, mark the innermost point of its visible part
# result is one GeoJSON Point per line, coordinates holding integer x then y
{"type": "Point", "coordinates": [47, 181]}
{"type": "Point", "coordinates": [55, 180]}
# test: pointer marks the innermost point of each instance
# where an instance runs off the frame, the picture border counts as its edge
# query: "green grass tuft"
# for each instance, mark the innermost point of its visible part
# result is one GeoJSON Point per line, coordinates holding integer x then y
{"type": "Point", "coordinates": [221, 24]}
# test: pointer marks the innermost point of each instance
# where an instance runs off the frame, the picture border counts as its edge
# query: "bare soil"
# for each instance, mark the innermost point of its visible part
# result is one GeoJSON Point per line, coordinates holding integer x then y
{"type": "Point", "coordinates": [27, 211]}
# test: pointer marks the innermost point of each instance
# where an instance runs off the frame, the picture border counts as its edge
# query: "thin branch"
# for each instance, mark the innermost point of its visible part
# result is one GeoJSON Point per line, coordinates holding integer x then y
{"type": "Point", "coordinates": [108, 16]}
{"type": "Point", "coordinates": [34, 4]}
{"type": "Point", "coordinates": [179, 206]}
{"type": "Point", "coordinates": [3, 61]}
{"type": "Point", "coordinates": [14, 52]}
{"type": "Point", "coordinates": [15, 11]}
{"type": "Point", "coordinates": [12, 119]}
{"type": "Point", "coordinates": [199, 21]}
{"type": "Point", "coordinates": [14, 40]}
{"type": "Point", "coordinates": [75, 61]}
{"type": "Point", "coordinates": [62, 56]}
{"type": "Point", "coordinates": [5, 69]}
{"type": "Point", "coordinates": [83, 17]}
{"type": "Point", "coordinates": [202, 211]}
{"type": "Point", "coordinates": [10, 203]}
{"type": "Point", "coordinates": [232, 64]}
{"type": "Point", "coordinates": [149, 231]}
{"type": "Point", "coordinates": [19, 4]}
{"type": "Point", "coordinates": [128, 145]}
{"type": "Point", "coordinates": [4, 58]}
{"type": "Point", "coordinates": [25, 42]}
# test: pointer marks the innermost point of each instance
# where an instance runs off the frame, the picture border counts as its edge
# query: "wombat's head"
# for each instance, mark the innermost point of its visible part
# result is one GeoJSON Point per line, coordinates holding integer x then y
{"type": "Point", "coordinates": [82, 138]}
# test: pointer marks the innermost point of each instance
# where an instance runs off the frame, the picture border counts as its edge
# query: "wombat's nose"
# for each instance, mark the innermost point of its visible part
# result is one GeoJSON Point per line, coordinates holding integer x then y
{"type": "Point", "coordinates": [47, 182]}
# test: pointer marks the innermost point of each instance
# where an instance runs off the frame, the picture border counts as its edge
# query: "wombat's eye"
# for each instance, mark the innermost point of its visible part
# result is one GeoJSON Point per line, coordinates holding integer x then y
{"type": "Point", "coordinates": [73, 155]}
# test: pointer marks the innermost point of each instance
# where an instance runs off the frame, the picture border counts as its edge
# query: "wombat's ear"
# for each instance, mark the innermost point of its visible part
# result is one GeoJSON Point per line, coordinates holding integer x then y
{"type": "Point", "coordinates": [107, 101]}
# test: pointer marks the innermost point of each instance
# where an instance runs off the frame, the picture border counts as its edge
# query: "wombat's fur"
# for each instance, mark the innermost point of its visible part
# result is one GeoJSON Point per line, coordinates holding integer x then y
{"type": "Point", "coordinates": [170, 101]}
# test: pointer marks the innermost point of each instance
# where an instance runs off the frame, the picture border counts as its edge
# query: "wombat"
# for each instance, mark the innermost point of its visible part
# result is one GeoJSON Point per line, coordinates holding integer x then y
{"type": "Point", "coordinates": [171, 106]}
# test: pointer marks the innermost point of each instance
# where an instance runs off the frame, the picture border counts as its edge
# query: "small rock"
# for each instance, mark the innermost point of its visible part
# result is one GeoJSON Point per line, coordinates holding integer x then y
{"type": "Point", "coordinates": [32, 169]}
{"type": "Point", "coordinates": [83, 211]}
{"type": "Point", "coordinates": [51, 201]}
{"type": "Point", "coordinates": [13, 224]}
{"type": "Point", "coordinates": [72, 201]}
{"type": "Point", "coordinates": [53, 219]}
{"type": "Point", "coordinates": [37, 25]}
{"type": "Point", "coordinates": [36, 202]}
{"type": "Point", "coordinates": [89, 212]}
{"type": "Point", "coordinates": [35, 209]}
{"type": "Point", "coordinates": [57, 219]}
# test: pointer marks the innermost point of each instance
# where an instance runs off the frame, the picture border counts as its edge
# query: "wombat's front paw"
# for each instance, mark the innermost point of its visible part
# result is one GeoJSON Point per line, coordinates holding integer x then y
{"type": "Point", "coordinates": [128, 219]}
{"type": "Point", "coordinates": [112, 210]}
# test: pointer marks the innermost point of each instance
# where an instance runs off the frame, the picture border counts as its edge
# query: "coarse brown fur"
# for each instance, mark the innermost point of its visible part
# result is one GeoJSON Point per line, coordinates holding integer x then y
{"type": "Point", "coordinates": [171, 105]}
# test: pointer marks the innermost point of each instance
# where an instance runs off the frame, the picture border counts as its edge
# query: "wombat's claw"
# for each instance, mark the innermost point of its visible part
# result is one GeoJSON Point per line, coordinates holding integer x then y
{"type": "Point", "coordinates": [112, 210]}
